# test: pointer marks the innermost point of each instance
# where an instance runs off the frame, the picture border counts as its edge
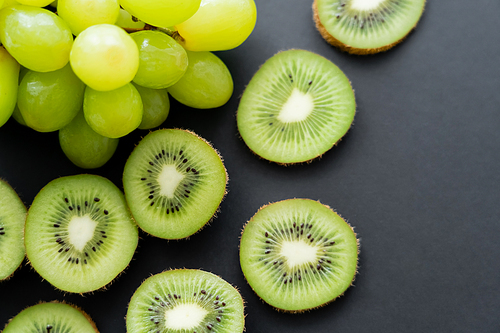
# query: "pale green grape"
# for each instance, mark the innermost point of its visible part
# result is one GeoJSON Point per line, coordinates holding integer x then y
{"type": "Point", "coordinates": [104, 57]}
{"type": "Point", "coordinates": [37, 38]}
{"type": "Point", "coordinates": [49, 101]}
{"type": "Point", "coordinates": [113, 113]}
{"type": "Point", "coordinates": [17, 114]}
{"type": "Point", "coordinates": [206, 84]}
{"type": "Point", "coordinates": [218, 25]}
{"type": "Point", "coordinates": [162, 61]}
{"type": "Point", "coordinates": [81, 14]}
{"type": "Point", "coordinates": [9, 69]}
{"type": "Point", "coordinates": [84, 147]}
{"type": "Point", "coordinates": [161, 13]}
{"type": "Point", "coordinates": [7, 3]}
{"type": "Point", "coordinates": [125, 21]}
{"type": "Point", "coordinates": [156, 106]}
{"type": "Point", "coordinates": [35, 3]}
{"type": "Point", "coordinates": [1, 4]}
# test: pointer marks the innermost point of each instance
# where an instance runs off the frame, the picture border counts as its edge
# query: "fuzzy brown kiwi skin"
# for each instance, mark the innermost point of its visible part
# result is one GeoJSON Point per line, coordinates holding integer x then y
{"type": "Point", "coordinates": [347, 48]}
{"type": "Point", "coordinates": [326, 303]}
{"type": "Point", "coordinates": [223, 197]}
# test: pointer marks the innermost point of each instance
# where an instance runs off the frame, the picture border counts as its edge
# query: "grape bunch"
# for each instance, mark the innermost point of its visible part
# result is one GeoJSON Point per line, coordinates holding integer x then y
{"type": "Point", "coordinates": [95, 70]}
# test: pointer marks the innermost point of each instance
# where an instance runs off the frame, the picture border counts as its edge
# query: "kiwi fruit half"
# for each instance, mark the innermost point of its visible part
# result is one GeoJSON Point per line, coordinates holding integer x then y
{"type": "Point", "coordinates": [79, 233]}
{"type": "Point", "coordinates": [295, 108]}
{"type": "Point", "coordinates": [366, 26]}
{"type": "Point", "coordinates": [298, 254]}
{"type": "Point", "coordinates": [174, 182]}
{"type": "Point", "coordinates": [185, 301]}
{"type": "Point", "coordinates": [12, 217]}
{"type": "Point", "coordinates": [51, 317]}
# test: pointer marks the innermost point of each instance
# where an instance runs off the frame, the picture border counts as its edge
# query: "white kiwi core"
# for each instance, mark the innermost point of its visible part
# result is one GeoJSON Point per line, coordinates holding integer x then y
{"type": "Point", "coordinates": [169, 178]}
{"type": "Point", "coordinates": [80, 231]}
{"type": "Point", "coordinates": [298, 253]}
{"type": "Point", "coordinates": [365, 4]}
{"type": "Point", "coordinates": [297, 107]}
{"type": "Point", "coordinates": [184, 316]}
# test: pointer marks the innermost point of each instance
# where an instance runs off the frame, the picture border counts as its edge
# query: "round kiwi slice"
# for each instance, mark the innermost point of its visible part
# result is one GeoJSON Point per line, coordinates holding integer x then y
{"type": "Point", "coordinates": [12, 218]}
{"type": "Point", "coordinates": [174, 182]}
{"type": "Point", "coordinates": [185, 301]}
{"type": "Point", "coordinates": [366, 26]}
{"type": "Point", "coordinates": [295, 108]}
{"type": "Point", "coordinates": [51, 317]}
{"type": "Point", "coordinates": [298, 254]}
{"type": "Point", "coordinates": [79, 233]}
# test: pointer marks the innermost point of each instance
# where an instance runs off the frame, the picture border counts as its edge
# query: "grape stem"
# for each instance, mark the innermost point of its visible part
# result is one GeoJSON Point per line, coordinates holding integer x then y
{"type": "Point", "coordinates": [169, 31]}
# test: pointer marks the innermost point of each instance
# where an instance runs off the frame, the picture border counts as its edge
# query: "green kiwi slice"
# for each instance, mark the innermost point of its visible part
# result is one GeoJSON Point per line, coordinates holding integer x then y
{"type": "Point", "coordinates": [298, 254]}
{"type": "Point", "coordinates": [79, 233]}
{"type": "Point", "coordinates": [12, 217]}
{"type": "Point", "coordinates": [174, 182]}
{"type": "Point", "coordinates": [51, 317]}
{"type": "Point", "coordinates": [295, 108]}
{"type": "Point", "coordinates": [366, 26]}
{"type": "Point", "coordinates": [185, 301]}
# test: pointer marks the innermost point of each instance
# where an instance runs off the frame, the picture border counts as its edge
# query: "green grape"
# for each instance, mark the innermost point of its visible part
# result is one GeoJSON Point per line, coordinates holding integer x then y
{"type": "Point", "coordinates": [37, 38]}
{"type": "Point", "coordinates": [162, 61]}
{"type": "Point", "coordinates": [206, 84]}
{"type": "Point", "coordinates": [113, 113]}
{"type": "Point", "coordinates": [7, 3]}
{"type": "Point", "coordinates": [81, 14]}
{"type": "Point", "coordinates": [35, 3]}
{"type": "Point", "coordinates": [218, 25]}
{"type": "Point", "coordinates": [9, 69]}
{"type": "Point", "coordinates": [156, 106]}
{"type": "Point", "coordinates": [161, 13]}
{"type": "Point", "coordinates": [104, 57]}
{"type": "Point", "coordinates": [125, 21]}
{"type": "Point", "coordinates": [53, 4]}
{"type": "Point", "coordinates": [84, 147]}
{"type": "Point", "coordinates": [1, 4]}
{"type": "Point", "coordinates": [17, 114]}
{"type": "Point", "coordinates": [49, 101]}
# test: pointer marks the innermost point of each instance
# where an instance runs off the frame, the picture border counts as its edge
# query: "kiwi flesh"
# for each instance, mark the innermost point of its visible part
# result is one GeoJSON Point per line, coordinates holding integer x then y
{"type": "Point", "coordinates": [366, 26]}
{"type": "Point", "coordinates": [79, 233]}
{"type": "Point", "coordinates": [298, 254]}
{"type": "Point", "coordinates": [12, 218]}
{"type": "Point", "coordinates": [296, 107]}
{"type": "Point", "coordinates": [53, 317]}
{"type": "Point", "coordinates": [174, 182]}
{"type": "Point", "coordinates": [185, 301]}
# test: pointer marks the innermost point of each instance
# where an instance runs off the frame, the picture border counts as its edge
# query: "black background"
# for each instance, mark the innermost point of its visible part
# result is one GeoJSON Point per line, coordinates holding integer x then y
{"type": "Point", "coordinates": [417, 176]}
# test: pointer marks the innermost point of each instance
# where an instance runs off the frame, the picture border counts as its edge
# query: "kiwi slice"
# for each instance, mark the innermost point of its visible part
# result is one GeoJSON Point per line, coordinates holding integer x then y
{"type": "Point", "coordinates": [51, 317]}
{"type": "Point", "coordinates": [79, 233]}
{"type": "Point", "coordinates": [174, 182]}
{"type": "Point", "coordinates": [298, 254]}
{"type": "Point", "coordinates": [295, 108]}
{"type": "Point", "coordinates": [366, 26]}
{"type": "Point", "coordinates": [12, 217]}
{"type": "Point", "coordinates": [185, 301]}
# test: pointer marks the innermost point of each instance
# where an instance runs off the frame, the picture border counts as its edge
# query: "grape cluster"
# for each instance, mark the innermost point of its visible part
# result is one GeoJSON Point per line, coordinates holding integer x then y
{"type": "Point", "coordinates": [97, 69]}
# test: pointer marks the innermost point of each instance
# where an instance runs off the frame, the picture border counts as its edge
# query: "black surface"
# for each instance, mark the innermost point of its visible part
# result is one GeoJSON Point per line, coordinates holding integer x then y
{"type": "Point", "coordinates": [417, 175]}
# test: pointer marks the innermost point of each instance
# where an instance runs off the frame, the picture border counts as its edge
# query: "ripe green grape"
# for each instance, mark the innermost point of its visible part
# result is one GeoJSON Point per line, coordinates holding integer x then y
{"type": "Point", "coordinates": [113, 113]}
{"type": "Point", "coordinates": [104, 57]}
{"type": "Point", "coordinates": [206, 84]}
{"type": "Point", "coordinates": [125, 21]}
{"type": "Point", "coordinates": [81, 14]}
{"type": "Point", "coordinates": [84, 147]}
{"type": "Point", "coordinates": [7, 3]}
{"type": "Point", "coordinates": [8, 85]}
{"type": "Point", "coordinates": [37, 38]}
{"type": "Point", "coordinates": [156, 106]}
{"type": "Point", "coordinates": [162, 61]}
{"type": "Point", "coordinates": [49, 101]}
{"type": "Point", "coordinates": [35, 3]}
{"type": "Point", "coordinates": [16, 114]}
{"type": "Point", "coordinates": [161, 13]}
{"type": "Point", "coordinates": [1, 4]}
{"type": "Point", "coordinates": [218, 25]}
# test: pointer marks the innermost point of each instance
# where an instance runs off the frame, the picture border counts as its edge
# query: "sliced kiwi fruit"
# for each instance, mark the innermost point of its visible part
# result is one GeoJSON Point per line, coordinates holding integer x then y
{"type": "Point", "coordinates": [298, 254]}
{"type": "Point", "coordinates": [79, 233]}
{"type": "Point", "coordinates": [295, 108]}
{"type": "Point", "coordinates": [366, 26]}
{"type": "Point", "coordinates": [174, 182]}
{"type": "Point", "coordinates": [12, 218]}
{"type": "Point", "coordinates": [53, 317]}
{"type": "Point", "coordinates": [185, 301]}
